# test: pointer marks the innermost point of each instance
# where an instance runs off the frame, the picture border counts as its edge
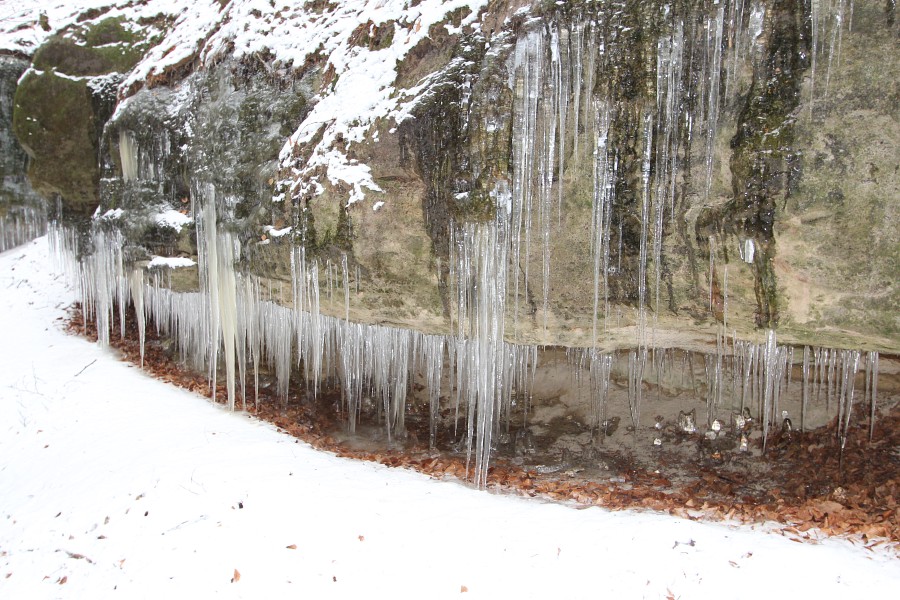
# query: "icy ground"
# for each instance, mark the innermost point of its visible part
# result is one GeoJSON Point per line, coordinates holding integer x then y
{"type": "Point", "coordinates": [113, 484]}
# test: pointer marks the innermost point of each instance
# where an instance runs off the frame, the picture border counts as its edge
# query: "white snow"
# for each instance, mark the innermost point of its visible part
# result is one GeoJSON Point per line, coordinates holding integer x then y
{"type": "Point", "coordinates": [362, 87]}
{"type": "Point", "coordinates": [20, 22]}
{"type": "Point", "coordinates": [123, 486]}
{"type": "Point", "coordinates": [174, 219]}
{"type": "Point", "coordinates": [273, 232]}
{"type": "Point", "coordinates": [171, 262]}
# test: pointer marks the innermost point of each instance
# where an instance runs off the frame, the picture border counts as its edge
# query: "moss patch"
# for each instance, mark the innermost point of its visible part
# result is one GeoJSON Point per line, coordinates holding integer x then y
{"type": "Point", "coordinates": [54, 122]}
{"type": "Point", "coordinates": [92, 49]}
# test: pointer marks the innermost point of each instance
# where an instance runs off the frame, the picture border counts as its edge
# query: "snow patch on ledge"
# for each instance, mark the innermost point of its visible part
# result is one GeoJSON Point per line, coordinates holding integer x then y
{"type": "Point", "coordinates": [277, 233]}
{"type": "Point", "coordinates": [171, 262]}
{"type": "Point", "coordinates": [174, 219]}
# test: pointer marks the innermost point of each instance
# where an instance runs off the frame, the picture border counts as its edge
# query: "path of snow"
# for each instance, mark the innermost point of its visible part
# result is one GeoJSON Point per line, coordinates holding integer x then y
{"type": "Point", "coordinates": [146, 483]}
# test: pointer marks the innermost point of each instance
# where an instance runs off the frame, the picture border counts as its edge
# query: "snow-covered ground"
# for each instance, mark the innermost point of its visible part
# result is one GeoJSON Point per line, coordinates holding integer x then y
{"type": "Point", "coordinates": [113, 484]}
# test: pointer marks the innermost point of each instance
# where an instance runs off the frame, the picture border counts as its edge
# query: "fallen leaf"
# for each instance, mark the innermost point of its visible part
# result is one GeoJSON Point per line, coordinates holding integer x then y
{"type": "Point", "coordinates": [362, 538]}
{"type": "Point", "coordinates": [463, 589]}
{"type": "Point", "coordinates": [292, 547]}
{"type": "Point", "coordinates": [62, 579]}
{"type": "Point", "coordinates": [828, 506]}
{"type": "Point", "coordinates": [237, 576]}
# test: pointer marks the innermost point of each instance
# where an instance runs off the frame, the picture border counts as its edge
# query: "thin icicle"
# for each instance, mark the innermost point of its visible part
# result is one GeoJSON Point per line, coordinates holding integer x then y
{"type": "Point", "coordinates": [715, 29]}
{"type": "Point", "coordinates": [136, 281]}
{"type": "Point", "coordinates": [873, 392]}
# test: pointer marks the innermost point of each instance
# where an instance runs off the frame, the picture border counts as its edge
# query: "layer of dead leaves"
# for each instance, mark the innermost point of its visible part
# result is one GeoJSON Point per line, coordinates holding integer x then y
{"type": "Point", "coordinates": [810, 490]}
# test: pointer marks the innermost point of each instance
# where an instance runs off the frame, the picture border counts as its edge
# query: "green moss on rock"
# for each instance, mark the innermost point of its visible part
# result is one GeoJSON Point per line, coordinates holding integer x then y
{"type": "Point", "coordinates": [54, 122]}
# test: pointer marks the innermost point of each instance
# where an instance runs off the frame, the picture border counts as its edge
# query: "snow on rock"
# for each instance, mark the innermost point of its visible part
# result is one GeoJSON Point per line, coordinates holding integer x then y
{"type": "Point", "coordinates": [171, 262]}
{"type": "Point", "coordinates": [114, 484]}
{"type": "Point", "coordinates": [361, 88]}
{"type": "Point", "coordinates": [364, 90]}
{"type": "Point", "coordinates": [271, 231]}
{"type": "Point", "coordinates": [174, 219]}
{"type": "Point", "coordinates": [25, 25]}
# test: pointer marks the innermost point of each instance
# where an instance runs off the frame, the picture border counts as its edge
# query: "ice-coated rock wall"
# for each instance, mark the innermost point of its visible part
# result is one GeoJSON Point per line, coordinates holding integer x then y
{"type": "Point", "coordinates": [372, 191]}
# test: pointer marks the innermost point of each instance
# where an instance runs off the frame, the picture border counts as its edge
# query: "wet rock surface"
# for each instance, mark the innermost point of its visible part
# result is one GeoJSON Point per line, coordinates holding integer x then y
{"type": "Point", "coordinates": [682, 167]}
{"type": "Point", "coordinates": [589, 240]}
{"type": "Point", "coordinates": [22, 211]}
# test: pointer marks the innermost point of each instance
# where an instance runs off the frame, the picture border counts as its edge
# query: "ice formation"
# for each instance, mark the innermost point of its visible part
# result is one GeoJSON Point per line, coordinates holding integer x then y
{"type": "Point", "coordinates": [20, 225]}
{"type": "Point", "coordinates": [237, 322]}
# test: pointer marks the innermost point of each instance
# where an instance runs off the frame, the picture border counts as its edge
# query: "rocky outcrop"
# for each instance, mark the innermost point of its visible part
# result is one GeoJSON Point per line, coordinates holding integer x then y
{"type": "Point", "coordinates": [401, 197]}
{"type": "Point", "coordinates": [670, 168]}
{"type": "Point", "coordinates": [22, 213]}
{"type": "Point", "coordinates": [64, 100]}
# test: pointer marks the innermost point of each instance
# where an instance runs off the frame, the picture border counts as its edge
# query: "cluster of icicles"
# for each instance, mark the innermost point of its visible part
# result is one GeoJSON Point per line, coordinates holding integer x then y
{"type": "Point", "coordinates": [20, 225]}
{"type": "Point", "coordinates": [552, 73]}
{"type": "Point", "coordinates": [739, 376]}
{"type": "Point", "coordinates": [235, 322]}
{"type": "Point", "coordinates": [563, 113]}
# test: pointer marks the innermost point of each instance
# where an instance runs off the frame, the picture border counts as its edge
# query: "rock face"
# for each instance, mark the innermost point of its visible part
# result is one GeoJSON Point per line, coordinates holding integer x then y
{"type": "Point", "coordinates": [63, 102]}
{"type": "Point", "coordinates": [506, 175]}
{"type": "Point", "coordinates": [22, 214]}
{"type": "Point", "coordinates": [657, 167]}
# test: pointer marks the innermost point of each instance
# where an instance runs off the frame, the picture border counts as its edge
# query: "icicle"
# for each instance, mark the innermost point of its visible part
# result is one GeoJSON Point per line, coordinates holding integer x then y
{"type": "Point", "coordinates": [21, 224]}
{"type": "Point", "coordinates": [600, 370]}
{"type": "Point", "coordinates": [805, 390]}
{"type": "Point", "coordinates": [834, 45]}
{"type": "Point", "coordinates": [577, 82]}
{"type": "Point", "coordinates": [736, 31]}
{"type": "Point", "coordinates": [712, 270]}
{"type": "Point", "coordinates": [850, 369]}
{"type": "Point", "coordinates": [128, 155]}
{"type": "Point", "coordinates": [136, 281]}
{"type": "Point", "coordinates": [669, 103]}
{"type": "Point", "coordinates": [219, 256]}
{"type": "Point", "coordinates": [645, 221]}
{"type": "Point", "coordinates": [228, 311]}
{"type": "Point", "coordinates": [814, 51]}
{"type": "Point", "coordinates": [873, 392]}
{"type": "Point", "coordinates": [637, 360]}
{"type": "Point", "coordinates": [526, 80]}
{"type": "Point", "coordinates": [725, 301]}
{"type": "Point", "coordinates": [345, 280]}
{"type": "Point", "coordinates": [484, 258]}
{"type": "Point", "coordinates": [562, 108]}
{"type": "Point", "coordinates": [769, 359]}
{"type": "Point", "coordinates": [600, 219]}
{"type": "Point", "coordinates": [552, 107]}
{"type": "Point", "coordinates": [712, 113]}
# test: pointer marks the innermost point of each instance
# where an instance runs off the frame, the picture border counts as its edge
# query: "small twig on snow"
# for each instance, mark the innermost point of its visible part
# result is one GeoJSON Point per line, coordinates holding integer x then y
{"type": "Point", "coordinates": [85, 367]}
